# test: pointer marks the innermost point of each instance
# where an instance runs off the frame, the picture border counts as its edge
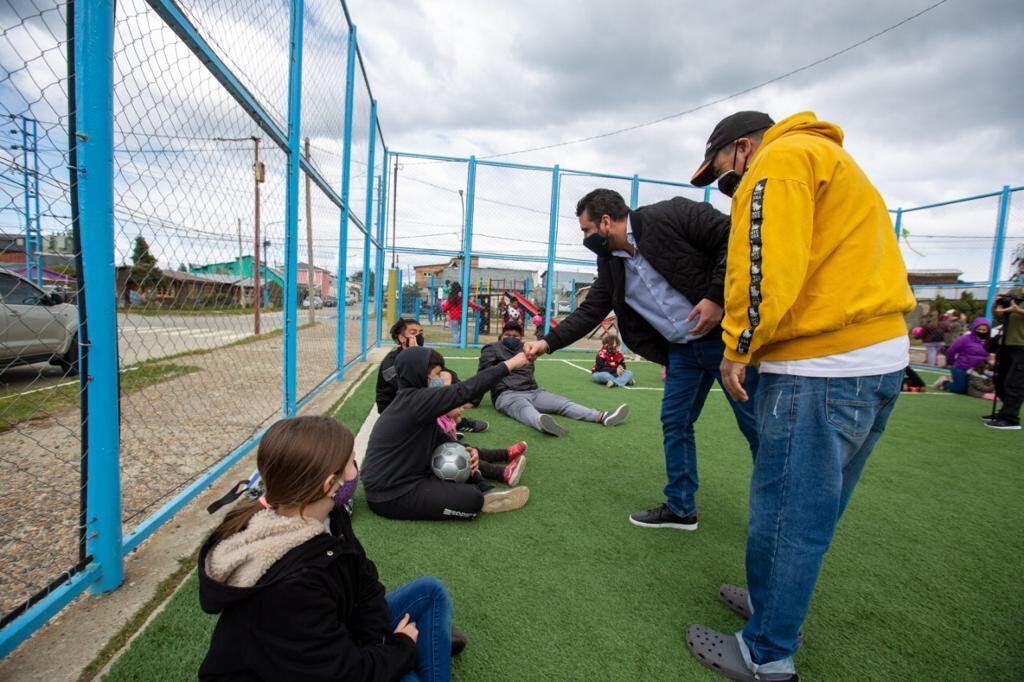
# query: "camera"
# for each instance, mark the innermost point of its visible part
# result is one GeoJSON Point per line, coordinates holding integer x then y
{"type": "Point", "coordinates": [1004, 300]}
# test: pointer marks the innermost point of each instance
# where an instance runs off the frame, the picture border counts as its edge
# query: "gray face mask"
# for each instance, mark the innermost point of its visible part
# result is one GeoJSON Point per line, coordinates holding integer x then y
{"type": "Point", "coordinates": [435, 382]}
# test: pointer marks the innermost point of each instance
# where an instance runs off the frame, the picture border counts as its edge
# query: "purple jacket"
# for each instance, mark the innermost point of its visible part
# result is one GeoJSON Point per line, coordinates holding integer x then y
{"type": "Point", "coordinates": [968, 350]}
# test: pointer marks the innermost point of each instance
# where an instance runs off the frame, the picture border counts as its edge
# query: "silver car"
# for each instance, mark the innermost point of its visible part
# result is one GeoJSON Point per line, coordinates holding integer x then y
{"type": "Point", "coordinates": [36, 326]}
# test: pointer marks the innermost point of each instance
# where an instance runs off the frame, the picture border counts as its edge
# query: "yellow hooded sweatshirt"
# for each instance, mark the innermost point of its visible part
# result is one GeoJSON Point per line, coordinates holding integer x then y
{"type": "Point", "coordinates": [813, 268]}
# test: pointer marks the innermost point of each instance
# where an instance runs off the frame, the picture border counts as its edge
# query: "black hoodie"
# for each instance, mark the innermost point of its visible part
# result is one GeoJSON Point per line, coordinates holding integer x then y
{"type": "Point", "coordinates": [520, 380]}
{"type": "Point", "coordinates": [318, 613]}
{"type": "Point", "coordinates": [406, 434]}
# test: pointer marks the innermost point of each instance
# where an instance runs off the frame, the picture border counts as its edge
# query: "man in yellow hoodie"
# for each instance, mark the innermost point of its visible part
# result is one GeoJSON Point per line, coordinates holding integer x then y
{"type": "Point", "coordinates": [815, 294]}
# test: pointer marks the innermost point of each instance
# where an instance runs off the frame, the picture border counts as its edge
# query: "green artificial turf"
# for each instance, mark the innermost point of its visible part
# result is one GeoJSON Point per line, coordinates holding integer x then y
{"type": "Point", "coordinates": [922, 581]}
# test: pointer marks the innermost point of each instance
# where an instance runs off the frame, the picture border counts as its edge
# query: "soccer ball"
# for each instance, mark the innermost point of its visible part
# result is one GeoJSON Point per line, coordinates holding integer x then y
{"type": "Point", "coordinates": [450, 462]}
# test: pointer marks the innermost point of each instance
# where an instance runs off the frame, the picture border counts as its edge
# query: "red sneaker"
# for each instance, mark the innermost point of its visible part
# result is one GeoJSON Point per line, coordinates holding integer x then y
{"type": "Point", "coordinates": [515, 470]}
{"type": "Point", "coordinates": [517, 450]}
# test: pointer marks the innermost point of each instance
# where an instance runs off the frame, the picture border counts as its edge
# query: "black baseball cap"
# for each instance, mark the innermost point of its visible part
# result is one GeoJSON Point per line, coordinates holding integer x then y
{"type": "Point", "coordinates": [728, 129]}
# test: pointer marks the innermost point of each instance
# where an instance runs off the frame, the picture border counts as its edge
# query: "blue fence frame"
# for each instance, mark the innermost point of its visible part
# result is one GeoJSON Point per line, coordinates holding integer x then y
{"type": "Point", "coordinates": [94, 103]}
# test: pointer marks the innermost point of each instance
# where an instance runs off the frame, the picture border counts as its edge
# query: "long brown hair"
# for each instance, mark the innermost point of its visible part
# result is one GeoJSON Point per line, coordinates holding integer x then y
{"type": "Point", "coordinates": [294, 457]}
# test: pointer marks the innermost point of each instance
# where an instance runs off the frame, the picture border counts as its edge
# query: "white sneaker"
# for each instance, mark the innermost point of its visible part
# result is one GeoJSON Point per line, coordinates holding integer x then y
{"type": "Point", "coordinates": [505, 500]}
{"type": "Point", "coordinates": [616, 417]}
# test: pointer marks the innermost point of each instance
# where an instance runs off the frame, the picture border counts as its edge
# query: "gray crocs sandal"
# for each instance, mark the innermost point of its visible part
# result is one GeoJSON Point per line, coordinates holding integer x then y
{"type": "Point", "coordinates": [721, 653]}
{"type": "Point", "coordinates": [736, 600]}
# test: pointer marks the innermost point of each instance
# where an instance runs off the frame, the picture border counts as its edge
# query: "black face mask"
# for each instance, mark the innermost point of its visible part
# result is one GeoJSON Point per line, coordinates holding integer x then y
{"type": "Point", "coordinates": [419, 340]}
{"type": "Point", "coordinates": [729, 180]}
{"type": "Point", "coordinates": [511, 342]}
{"type": "Point", "coordinates": [598, 243]}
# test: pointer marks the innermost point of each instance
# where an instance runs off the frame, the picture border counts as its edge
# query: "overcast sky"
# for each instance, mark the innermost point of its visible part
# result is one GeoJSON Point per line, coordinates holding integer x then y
{"type": "Point", "coordinates": [931, 110]}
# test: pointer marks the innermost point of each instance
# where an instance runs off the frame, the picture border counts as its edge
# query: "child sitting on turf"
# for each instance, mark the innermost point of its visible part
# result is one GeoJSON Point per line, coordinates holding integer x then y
{"type": "Point", "coordinates": [517, 395]}
{"type": "Point", "coordinates": [397, 475]}
{"type": "Point", "coordinates": [610, 366]}
{"type": "Point", "coordinates": [483, 459]}
{"type": "Point", "coordinates": [296, 594]}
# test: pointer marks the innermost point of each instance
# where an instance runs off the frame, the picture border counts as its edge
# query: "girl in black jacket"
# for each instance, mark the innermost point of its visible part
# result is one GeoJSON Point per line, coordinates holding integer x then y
{"type": "Point", "coordinates": [298, 598]}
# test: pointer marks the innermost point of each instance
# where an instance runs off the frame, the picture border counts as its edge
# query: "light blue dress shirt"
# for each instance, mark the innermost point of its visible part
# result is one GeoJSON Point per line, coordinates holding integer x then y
{"type": "Point", "coordinates": [653, 298]}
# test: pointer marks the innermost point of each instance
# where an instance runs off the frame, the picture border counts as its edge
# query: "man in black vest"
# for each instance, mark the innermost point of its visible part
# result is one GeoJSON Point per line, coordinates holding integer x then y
{"type": "Point", "coordinates": [661, 268]}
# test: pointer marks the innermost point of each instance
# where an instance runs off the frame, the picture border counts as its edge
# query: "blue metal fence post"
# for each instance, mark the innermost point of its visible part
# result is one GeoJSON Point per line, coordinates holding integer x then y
{"type": "Point", "coordinates": [430, 301]}
{"type": "Point", "coordinates": [467, 248]}
{"type": "Point", "coordinates": [416, 308]}
{"type": "Point", "coordinates": [476, 327]}
{"type": "Point", "coordinates": [368, 223]}
{"type": "Point", "coordinates": [94, 97]}
{"type": "Point", "coordinates": [30, 177]}
{"type": "Point", "coordinates": [291, 210]}
{"type": "Point", "coordinates": [634, 192]}
{"type": "Point", "coordinates": [382, 222]}
{"type": "Point", "coordinates": [572, 296]}
{"type": "Point", "coordinates": [346, 181]}
{"type": "Point", "coordinates": [899, 223]}
{"type": "Point", "coordinates": [553, 243]}
{"type": "Point", "coordinates": [707, 194]}
{"type": "Point", "coordinates": [997, 249]}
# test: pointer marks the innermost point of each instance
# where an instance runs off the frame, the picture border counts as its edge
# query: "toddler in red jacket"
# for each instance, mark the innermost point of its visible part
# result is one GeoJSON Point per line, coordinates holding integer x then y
{"type": "Point", "coordinates": [610, 366]}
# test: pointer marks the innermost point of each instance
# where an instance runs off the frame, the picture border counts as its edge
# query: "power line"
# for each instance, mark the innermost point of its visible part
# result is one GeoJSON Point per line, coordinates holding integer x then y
{"type": "Point", "coordinates": [726, 98]}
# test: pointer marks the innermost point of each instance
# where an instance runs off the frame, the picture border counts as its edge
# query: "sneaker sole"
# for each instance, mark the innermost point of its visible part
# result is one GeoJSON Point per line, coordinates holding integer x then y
{"type": "Point", "coordinates": [673, 526]}
{"type": "Point", "coordinates": [550, 426]}
{"type": "Point", "coordinates": [518, 471]}
{"type": "Point", "coordinates": [618, 416]}
{"type": "Point", "coordinates": [1015, 427]}
{"type": "Point", "coordinates": [505, 500]}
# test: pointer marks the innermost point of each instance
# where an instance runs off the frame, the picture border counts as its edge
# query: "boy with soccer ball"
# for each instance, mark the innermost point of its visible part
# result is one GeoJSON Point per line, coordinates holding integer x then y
{"type": "Point", "coordinates": [397, 475]}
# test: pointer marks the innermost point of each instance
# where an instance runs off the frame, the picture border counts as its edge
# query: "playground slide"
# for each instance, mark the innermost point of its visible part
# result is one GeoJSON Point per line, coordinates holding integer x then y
{"type": "Point", "coordinates": [528, 306]}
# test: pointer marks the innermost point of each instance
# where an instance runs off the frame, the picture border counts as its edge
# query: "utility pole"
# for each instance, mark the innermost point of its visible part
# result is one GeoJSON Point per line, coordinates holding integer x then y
{"type": "Point", "coordinates": [241, 286]}
{"type": "Point", "coordinates": [394, 219]}
{"type": "Point", "coordinates": [258, 176]}
{"type": "Point", "coordinates": [311, 287]}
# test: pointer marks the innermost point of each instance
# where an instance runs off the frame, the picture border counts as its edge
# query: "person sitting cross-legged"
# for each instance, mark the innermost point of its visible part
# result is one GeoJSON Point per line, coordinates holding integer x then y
{"type": "Point", "coordinates": [518, 395]}
{"type": "Point", "coordinates": [610, 365]}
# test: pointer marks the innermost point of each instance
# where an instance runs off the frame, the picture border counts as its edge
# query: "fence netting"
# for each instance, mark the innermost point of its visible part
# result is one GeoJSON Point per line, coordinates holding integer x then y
{"type": "Point", "coordinates": [40, 530]}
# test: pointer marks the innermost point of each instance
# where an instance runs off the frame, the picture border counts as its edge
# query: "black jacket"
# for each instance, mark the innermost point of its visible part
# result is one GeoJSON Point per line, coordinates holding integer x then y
{"type": "Point", "coordinates": [387, 380]}
{"type": "Point", "coordinates": [520, 380]}
{"type": "Point", "coordinates": [317, 614]}
{"type": "Point", "coordinates": [686, 242]}
{"type": "Point", "coordinates": [406, 433]}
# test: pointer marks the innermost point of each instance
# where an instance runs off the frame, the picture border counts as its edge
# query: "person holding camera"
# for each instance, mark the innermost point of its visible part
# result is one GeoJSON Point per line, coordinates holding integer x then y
{"type": "Point", "coordinates": [1009, 361]}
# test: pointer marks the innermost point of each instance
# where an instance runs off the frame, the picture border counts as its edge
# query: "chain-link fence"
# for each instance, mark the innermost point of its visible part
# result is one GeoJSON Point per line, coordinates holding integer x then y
{"type": "Point", "coordinates": [240, 284]}
{"type": "Point", "coordinates": [41, 534]}
{"type": "Point", "coordinates": [198, 215]}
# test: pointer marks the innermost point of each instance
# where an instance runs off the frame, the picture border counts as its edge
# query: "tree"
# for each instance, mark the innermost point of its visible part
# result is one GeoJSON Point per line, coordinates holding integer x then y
{"type": "Point", "coordinates": [144, 273]}
{"type": "Point", "coordinates": [357, 276]}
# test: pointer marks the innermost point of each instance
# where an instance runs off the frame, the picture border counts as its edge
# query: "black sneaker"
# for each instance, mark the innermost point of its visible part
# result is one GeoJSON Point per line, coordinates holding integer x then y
{"type": "Point", "coordinates": [467, 425]}
{"type": "Point", "coordinates": [459, 641]}
{"type": "Point", "coordinates": [1002, 424]}
{"type": "Point", "coordinates": [663, 517]}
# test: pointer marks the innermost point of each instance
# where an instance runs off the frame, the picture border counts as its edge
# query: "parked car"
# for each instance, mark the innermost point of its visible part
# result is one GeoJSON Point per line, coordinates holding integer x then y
{"type": "Point", "coordinates": [331, 302]}
{"type": "Point", "coordinates": [36, 326]}
{"type": "Point", "coordinates": [317, 303]}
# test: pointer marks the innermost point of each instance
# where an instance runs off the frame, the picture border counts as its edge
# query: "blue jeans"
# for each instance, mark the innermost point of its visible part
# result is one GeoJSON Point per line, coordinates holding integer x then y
{"type": "Point", "coordinates": [427, 602]}
{"type": "Point", "coordinates": [692, 369]}
{"type": "Point", "coordinates": [605, 377]}
{"type": "Point", "coordinates": [816, 434]}
{"type": "Point", "coordinates": [958, 384]}
{"type": "Point", "coordinates": [456, 328]}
